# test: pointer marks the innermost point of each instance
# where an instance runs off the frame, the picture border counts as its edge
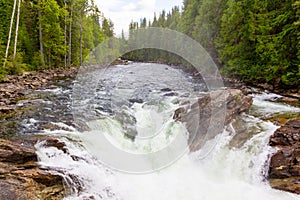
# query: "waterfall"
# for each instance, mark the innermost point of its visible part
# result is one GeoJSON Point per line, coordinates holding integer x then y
{"type": "Point", "coordinates": [228, 172]}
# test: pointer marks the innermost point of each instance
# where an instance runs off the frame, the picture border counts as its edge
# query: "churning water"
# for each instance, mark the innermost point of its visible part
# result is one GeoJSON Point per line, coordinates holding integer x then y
{"type": "Point", "coordinates": [138, 101]}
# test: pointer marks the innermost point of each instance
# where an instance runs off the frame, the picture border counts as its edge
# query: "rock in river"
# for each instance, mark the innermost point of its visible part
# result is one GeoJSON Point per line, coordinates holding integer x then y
{"type": "Point", "coordinates": [284, 171]}
{"type": "Point", "coordinates": [21, 178]}
{"type": "Point", "coordinates": [210, 114]}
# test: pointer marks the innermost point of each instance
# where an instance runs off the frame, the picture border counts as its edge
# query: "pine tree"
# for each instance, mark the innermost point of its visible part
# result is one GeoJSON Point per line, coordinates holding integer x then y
{"type": "Point", "coordinates": [189, 14]}
{"type": "Point", "coordinates": [208, 25]}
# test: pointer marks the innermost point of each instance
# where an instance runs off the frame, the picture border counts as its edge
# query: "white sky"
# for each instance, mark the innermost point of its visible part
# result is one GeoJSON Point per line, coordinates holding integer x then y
{"type": "Point", "coordinates": [122, 12]}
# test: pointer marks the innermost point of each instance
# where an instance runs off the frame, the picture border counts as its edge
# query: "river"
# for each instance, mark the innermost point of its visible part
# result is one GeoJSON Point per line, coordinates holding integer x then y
{"type": "Point", "coordinates": [138, 101]}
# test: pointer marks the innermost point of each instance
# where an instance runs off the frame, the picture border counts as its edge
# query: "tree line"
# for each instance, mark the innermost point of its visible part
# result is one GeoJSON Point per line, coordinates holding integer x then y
{"type": "Point", "coordinates": [41, 34]}
{"type": "Point", "coordinates": [254, 40]}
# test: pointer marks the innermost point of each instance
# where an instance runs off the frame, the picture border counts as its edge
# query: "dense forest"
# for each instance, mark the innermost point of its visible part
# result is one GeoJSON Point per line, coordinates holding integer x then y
{"type": "Point", "coordinates": [254, 40]}
{"type": "Point", "coordinates": [40, 34]}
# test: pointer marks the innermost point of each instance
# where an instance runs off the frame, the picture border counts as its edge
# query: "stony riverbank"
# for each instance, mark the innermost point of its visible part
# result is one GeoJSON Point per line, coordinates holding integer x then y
{"type": "Point", "coordinates": [289, 96]}
{"type": "Point", "coordinates": [284, 172]}
{"type": "Point", "coordinates": [14, 87]}
{"type": "Point", "coordinates": [20, 175]}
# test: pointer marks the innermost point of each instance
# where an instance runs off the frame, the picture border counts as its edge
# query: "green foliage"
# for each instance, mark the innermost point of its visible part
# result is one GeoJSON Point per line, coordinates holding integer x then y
{"type": "Point", "coordinates": [266, 38]}
{"type": "Point", "coordinates": [37, 61]}
{"type": "Point", "coordinates": [189, 14]}
{"type": "Point", "coordinates": [107, 27]}
{"type": "Point", "coordinates": [208, 24]}
{"type": "Point", "coordinates": [292, 77]}
{"type": "Point", "coordinates": [87, 31]}
{"type": "Point", "coordinates": [53, 37]}
{"type": "Point", "coordinates": [16, 65]}
{"type": "Point", "coordinates": [256, 41]}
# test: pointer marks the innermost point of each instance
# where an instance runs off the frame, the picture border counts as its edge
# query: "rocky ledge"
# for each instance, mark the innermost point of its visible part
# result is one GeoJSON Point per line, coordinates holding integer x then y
{"type": "Point", "coordinates": [21, 178]}
{"type": "Point", "coordinates": [284, 171]}
{"type": "Point", "coordinates": [209, 115]}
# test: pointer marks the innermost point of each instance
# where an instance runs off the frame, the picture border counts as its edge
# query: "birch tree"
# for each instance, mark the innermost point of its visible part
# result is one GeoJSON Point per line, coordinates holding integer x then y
{"type": "Point", "coordinates": [70, 34]}
{"type": "Point", "coordinates": [17, 29]}
{"type": "Point", "coordinates": [10, 30]}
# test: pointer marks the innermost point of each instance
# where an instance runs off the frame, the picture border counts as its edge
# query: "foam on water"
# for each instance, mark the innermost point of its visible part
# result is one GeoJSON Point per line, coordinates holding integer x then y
{"type": "Point", "coordinates": [227, 173]}
{"type": "Point", "coordinates": [262, 104]}
{"type": "Point", "coordinates": [233, 173]}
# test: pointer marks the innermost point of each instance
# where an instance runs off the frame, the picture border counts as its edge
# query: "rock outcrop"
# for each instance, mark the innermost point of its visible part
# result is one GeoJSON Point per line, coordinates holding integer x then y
{"type": "Point", "coordinates": [21, 178]}
{"type": "Point", "coordinates": [284, 171]}
{"type": "Point", "coordinates": [210, 114]}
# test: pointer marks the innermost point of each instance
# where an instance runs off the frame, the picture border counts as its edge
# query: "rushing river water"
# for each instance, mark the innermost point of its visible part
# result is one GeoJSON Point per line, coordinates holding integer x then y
{"type": "Point", "coordinates": [138, 101]}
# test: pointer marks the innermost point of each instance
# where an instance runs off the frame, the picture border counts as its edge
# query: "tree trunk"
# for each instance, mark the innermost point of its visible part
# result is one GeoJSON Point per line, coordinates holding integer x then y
{"type": "Point", "coordinates": [10, 30]}
{"type": "Point", "coordinates": [65, 35]}
{"type": "Point", "coordinates": [41, 33]}
{"type": "Point", "coordinates": [81, 41]}
{"type": "Point", "coordinates": [70, 36]}
{"type": "Point", "coordinates": [17, 30]}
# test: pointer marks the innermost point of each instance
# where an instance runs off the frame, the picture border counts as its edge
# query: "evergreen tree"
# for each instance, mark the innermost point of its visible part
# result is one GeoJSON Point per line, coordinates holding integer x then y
{"type": "Point", "coordinates": [189, 14]}
{"type": "Point", "coordinates": [107, 27]}
{"type": "Point", "coordinates": [208, 24]}
{"type": "Point", "coordinates": [48, 33]}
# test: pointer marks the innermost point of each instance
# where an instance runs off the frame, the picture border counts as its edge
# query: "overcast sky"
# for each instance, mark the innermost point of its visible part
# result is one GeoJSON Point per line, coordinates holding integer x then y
{"type": "Point", "coordinates": [122, 12]}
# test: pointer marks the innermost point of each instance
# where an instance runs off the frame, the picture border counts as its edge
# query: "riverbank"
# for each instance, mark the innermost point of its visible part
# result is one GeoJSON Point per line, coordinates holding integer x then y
{"type": "Point", "coordinates": [291, 96]}
{"type": "Point", "coordinates": [14, 87]}
{"type": "Point", "coordinates": [20, 175]}
{"type": "Point", "coordinates": [22, 178]}
{"type": "Point", "coordinates": [284, 171]}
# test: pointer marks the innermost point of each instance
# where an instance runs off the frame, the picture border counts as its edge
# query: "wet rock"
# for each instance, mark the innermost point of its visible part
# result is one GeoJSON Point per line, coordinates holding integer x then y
{"type": "Point", "coordinates": [284, 170]}
{"type": "Point", "coordinates": [170, 94]}
{"type": "Point", "coordinates": [287, 135]}
{"type": "Point", "coordinates": [53, 142]}
{"type": "Point", "coordinates": [237, 84]}
{"type": "Point", "coordinates": [22, 178]}
{"type": "Point", "coordinates": [287, 184]}
{"type": "Point", "coordinates": [166, 90]}
{"type": "Point", "coordinates": [13, 153]}
{"type": "Point", "coordinates": [210, 114]}
{"type": "Point", "coordinates": [7, 108]}
{"type": "Point", "coordinates": [44, 80]}
{"type": "Point", "coordinates": [136, 100]}
{"type": "Point", "coordinates": [266, 86]}
{"type": "Point", "coordinates": [243, 133]}
{"type": "Point", "coordinates": [280, 164]}
{"type": "Point", "coordinates": [128, 122]}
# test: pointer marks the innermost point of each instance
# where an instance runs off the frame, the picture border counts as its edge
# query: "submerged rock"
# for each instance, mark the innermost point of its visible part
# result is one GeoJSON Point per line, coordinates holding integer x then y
{"type": "Point", "coordinates": [22, 178]}
{"type": "Point", "coordinates": [284, 170]}
{"type": "Point", "coordinates": [210, 114]}
{"type": "Point", "coordinates": [136, 100]}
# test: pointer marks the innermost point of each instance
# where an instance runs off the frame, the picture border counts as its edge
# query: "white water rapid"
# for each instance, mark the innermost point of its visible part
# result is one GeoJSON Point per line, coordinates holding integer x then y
{"type": "Point", "coordinates": [227, 173]}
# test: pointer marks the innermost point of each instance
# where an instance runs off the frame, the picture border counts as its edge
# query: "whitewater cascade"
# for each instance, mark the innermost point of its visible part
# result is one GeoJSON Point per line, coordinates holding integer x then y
{"type": "Point", "coordinates": [234, 172]}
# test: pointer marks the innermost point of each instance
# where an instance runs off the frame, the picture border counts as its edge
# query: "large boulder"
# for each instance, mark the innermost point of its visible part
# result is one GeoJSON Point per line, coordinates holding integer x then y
{"type": "Point", "coordinates": [209, 115]}
{"type": "Point", "coordinates": [284, 171]}
{"type": "Point", "coordinates": [287, 135]}
{"type": "Point", "coordinates": [21, 178]}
